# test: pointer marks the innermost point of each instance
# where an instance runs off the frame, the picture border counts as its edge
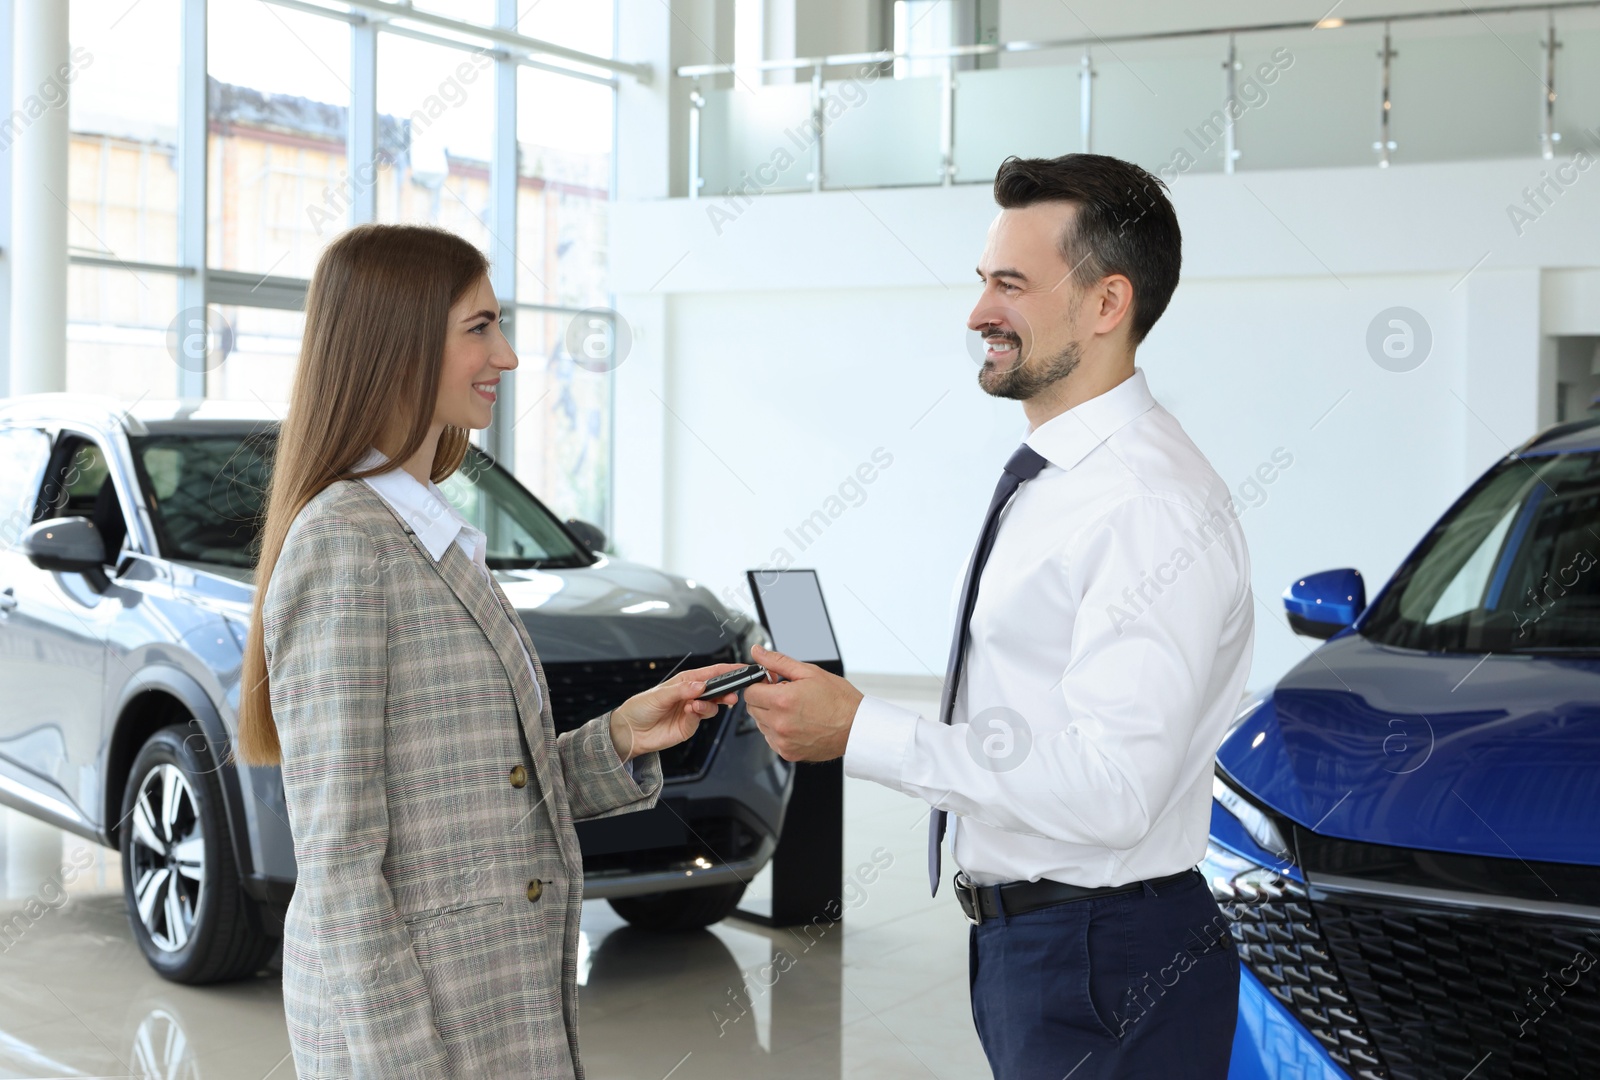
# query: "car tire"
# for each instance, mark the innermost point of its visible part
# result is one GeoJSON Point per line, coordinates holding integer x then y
{"type": "Point", "coordinates": [680, 909]}
{"type": "Point", "coordinates": [186, 903]}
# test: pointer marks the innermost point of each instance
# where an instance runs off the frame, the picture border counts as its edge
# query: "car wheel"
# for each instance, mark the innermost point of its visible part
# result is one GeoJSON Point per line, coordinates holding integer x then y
{"type": "Point", "coordinates": [680, 909]}
{"type": "Point", "coordinates": [190, 915]}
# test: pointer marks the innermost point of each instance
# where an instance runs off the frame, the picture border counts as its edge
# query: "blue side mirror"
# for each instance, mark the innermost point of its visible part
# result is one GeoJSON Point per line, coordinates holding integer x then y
{"type": "Point", "coordinates": [1320, 605]}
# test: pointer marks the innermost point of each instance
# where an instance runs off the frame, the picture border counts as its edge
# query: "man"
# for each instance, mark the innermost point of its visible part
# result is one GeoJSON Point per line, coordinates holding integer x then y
{"type": "Point", "coordinates": [1102, 642]}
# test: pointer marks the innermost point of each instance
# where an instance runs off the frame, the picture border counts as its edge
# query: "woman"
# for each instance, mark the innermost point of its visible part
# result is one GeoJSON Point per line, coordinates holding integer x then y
{"type": "Point", "coordinates": [433, 930]}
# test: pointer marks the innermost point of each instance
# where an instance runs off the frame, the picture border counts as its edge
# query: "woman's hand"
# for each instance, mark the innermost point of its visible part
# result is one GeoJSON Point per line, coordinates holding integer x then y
{"type": "Point", "coordinates": [667, 714]}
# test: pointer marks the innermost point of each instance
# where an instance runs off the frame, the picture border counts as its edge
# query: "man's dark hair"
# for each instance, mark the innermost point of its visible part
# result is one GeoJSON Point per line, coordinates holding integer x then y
{"type": "Point", "coordinates": [1124, 223]}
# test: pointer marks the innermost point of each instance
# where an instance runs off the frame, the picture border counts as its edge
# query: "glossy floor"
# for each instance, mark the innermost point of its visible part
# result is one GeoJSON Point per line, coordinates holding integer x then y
{"type": "Point", "coordinates": [880, 994]}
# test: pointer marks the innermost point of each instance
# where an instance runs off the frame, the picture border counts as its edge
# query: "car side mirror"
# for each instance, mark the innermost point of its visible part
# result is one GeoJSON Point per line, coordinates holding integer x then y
{"type": "Point", "coordinates": [69, 544]}
{"type": "Point", "coordinates": [593, 536]}
{"type": "Point", "coordinates": [1322, 604]}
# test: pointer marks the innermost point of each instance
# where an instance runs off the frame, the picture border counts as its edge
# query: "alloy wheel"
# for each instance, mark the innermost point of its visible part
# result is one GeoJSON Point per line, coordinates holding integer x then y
{"type": "Point", "coordinates": [168, 855]}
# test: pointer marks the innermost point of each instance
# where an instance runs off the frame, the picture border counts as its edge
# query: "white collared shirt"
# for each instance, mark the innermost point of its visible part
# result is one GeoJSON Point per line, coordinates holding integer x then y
{"type": "Point", "coordinates": [1110, 644]}
{"type": "Point", "coordinates": [435, 522]}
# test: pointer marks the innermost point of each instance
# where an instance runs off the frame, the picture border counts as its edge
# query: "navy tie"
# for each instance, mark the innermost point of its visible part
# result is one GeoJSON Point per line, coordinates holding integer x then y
{"type": "Point", "coordinates": [1024, 465]}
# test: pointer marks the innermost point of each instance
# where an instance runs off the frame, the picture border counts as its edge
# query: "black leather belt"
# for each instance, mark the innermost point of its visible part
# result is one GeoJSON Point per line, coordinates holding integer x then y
{"type": "Point", "coordinates": [1020, 897]}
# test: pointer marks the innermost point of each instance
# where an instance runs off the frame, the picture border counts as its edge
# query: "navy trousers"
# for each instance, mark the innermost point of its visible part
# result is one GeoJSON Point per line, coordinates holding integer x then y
{"type": "Point", "coordinates": [1133, 985]}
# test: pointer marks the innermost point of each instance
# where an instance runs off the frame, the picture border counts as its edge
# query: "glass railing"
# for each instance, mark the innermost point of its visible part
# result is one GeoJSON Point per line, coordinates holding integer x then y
{"type": "Point", "coordinates": [1487, 83]}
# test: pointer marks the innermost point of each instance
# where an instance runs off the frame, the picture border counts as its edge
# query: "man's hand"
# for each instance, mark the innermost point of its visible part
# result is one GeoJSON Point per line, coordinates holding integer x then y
{"type": "Point", "coordinates": [807, 718]}
{"type": "Point", "coordinates": [666, 715]}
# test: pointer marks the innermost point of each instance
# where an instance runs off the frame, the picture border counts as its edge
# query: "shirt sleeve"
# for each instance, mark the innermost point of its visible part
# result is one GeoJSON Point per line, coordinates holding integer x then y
{"type": "Point", "coordinates": [325, 632]}
{"type": "Point", "coordinates": [1155, 585]}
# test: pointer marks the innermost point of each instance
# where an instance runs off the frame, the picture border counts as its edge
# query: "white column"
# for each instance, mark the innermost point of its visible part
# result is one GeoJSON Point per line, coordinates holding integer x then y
{"type": "Point", "coordinates": [649, 117]}
{"type": "Point", "coordinates": [38, 152]}
{"type": "Point", "coordinates": [361, 134]}
{"type": "Point", "coordinates": [1510, 377]}
{"type": "Point", "coordinates": [778, 38]}
{"type": "Point", "coordinates": [192, 131]}
{"type": "Point", "coordinates": [6, 56]}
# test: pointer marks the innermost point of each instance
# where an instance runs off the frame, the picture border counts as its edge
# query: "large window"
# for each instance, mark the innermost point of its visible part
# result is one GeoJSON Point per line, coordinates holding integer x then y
{"type": "Point", "coordinates": [443, 101]}
{"type": "Point", "coordinates": [122, 196]}
{"type": "Point", "coordinates": [576, 24]}
{"type": "Point", "coordinates": [263, 346]}
{"type": "Point", "coordinates": [124, 117]}
{"type": "Point", "coordinates": [281, 88]}
{"type": "Point", "coordinates": [279, 98]}
{"type": "Point", "coordinates": [117, 332]}
{"type": "Point", "coordinates": [563, 423]}
{"type": "Point", "coordinates": [565, 130]}
{"type": "Point", "coordinates": [564, 135]}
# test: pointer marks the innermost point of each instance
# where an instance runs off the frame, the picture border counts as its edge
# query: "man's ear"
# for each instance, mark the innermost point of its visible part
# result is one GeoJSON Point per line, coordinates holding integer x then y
{"type": "Point", "coordinates": [1111, 304]}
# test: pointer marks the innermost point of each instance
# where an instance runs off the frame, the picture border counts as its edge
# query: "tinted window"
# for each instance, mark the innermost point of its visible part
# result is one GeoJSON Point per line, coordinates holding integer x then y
{"type": "Point", "coordinates": [24, 452]}
{"type": "Point", "coordinates": [206, 493]}
{"type": "Point", "coordinates": [521, 532]}
{"type": "Point", "coordinates": [1514, 567]}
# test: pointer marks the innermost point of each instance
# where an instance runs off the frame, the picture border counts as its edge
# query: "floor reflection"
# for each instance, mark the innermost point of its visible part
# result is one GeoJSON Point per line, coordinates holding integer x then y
{"type": "Point", "coordinates": [729, 1001]}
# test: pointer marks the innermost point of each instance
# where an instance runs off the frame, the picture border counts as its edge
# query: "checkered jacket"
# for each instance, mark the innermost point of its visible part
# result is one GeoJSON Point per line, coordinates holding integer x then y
{"type": "Point", "coordinates": [417, 943]}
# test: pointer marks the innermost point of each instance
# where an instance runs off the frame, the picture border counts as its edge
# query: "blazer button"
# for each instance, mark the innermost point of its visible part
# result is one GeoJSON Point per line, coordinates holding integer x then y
{"type": "Point", "coordinates": [535, 890]}
{"type": "Point", "coordinates": [519, 776]}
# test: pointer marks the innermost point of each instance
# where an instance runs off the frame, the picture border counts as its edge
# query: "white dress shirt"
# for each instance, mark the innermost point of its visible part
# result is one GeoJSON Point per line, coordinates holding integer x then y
{"type": "Point", "coordinates": [1110, 644]}
{"type": "Point", "coordinates": [435, 521]}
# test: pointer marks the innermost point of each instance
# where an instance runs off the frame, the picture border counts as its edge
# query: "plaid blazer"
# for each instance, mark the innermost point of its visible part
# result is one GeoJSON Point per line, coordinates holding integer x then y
{"type": "Point", "coordinates": [434, 926]}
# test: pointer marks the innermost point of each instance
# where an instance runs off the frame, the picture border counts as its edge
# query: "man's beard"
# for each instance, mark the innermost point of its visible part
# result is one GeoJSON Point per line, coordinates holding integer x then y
{"type": "Point", "coordinates": [1025, 380]}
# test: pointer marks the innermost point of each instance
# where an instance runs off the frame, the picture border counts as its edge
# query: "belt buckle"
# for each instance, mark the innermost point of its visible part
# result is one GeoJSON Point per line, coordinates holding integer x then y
{"type": "Point", "coordinates": [971, 891]}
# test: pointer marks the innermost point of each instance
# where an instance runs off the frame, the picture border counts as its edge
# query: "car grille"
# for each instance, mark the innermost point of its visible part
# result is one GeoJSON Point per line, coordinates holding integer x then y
{"type": "Point", "coordinates": [1401, 991]}
{"type": "Point", "coordinates": [1448, 992]}
{"type": "Point", "coordinates": [1276, 933]}
{"type": "Point", "coordinates": [582, 690]}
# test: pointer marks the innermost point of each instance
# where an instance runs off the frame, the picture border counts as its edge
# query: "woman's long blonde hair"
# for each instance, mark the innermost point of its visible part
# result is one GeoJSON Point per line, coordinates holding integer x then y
{"type": "Point", "coordinates": [376, 318]}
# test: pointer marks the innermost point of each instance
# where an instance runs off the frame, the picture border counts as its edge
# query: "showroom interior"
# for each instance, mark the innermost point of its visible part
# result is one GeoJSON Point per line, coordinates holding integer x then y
{"type": "Point", "coordinates": [733, 243]}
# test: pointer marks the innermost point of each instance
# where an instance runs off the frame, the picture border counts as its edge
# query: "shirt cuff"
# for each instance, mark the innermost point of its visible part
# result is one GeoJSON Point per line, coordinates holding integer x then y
{"type": "Point", "coordinates": [880, 739]}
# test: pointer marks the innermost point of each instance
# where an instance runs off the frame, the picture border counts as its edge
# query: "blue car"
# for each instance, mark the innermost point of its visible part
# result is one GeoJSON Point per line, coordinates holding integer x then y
{"type": "Point", "coordinates": [1406, 828]}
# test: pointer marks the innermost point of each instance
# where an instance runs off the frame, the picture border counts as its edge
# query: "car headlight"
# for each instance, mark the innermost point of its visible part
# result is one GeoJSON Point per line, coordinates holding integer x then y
{"type": "Point", "coordinates": [1236, 878]}
{"type": "Point", "coordinates": [751, 634]}
{"type": "Point", "coordinates": [1261, 828]}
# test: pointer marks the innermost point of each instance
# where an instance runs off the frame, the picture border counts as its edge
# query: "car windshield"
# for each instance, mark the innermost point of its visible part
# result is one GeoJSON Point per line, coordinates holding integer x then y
{"type": "Point", "coordinates": [1514, 567]}
{"type": "Point", "coordinates": [205, 493]}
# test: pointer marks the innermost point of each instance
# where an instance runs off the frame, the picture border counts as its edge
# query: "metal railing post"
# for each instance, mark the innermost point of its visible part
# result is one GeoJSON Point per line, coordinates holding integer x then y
{"type": "Point", "coordinates": [816, 124]}
{"type": "Point", "coordinates": [947, 125]}
{"type": "Point", "coordinates": [1086, 100]}
{"type": "Point", "coordinates": [1550, 136]}
{"type": "Point", "coordinates": [697, 101]}
{"type": "Point", "coordinates": [1384, 143]}
{"type": "Point", "coordinates": [1230, 142]}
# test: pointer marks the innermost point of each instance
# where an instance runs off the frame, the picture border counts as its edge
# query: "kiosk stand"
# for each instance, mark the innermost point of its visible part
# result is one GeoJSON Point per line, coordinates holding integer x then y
{"type": "Point", "coordinates": [808, 865]}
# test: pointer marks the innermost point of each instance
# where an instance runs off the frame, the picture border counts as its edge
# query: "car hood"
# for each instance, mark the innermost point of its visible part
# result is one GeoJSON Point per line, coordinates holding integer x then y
{"type": "Point", "coordinates": [1496, 756]}
{"type": "Point", "coordinates": [616, 610]}
{"type": "Point", "coordinates": [612, 610]}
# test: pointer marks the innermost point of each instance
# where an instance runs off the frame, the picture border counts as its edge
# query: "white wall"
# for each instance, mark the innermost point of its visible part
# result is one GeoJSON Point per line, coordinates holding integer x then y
{"type": "Point", "coordinates": [813, 329]}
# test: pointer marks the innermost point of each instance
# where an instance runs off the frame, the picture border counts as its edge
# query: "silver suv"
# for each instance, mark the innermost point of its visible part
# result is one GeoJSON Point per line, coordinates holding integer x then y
{"type": "Point", "coordinates": [127, 541]}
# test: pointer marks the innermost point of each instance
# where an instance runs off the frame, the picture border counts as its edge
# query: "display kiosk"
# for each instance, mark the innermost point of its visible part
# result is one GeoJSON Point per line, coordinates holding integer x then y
{"type": "Point", "coordinates": [808, 865]}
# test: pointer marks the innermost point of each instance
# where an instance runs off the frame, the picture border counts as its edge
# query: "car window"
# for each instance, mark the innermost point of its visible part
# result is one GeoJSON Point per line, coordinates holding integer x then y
{"type": "Point", "coordinates": [206, 493]}
{"type": "Point", "coordinates": [520, 532]}
{"type": "Point", "coordinates": [24, 453]}
{"type": "Point", "coordinates": [1514, 566]}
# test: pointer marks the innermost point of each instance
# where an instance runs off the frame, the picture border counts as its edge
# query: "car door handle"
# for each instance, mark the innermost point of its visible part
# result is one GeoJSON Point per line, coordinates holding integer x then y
{"type": "Point", "coordinates": [8, 598]}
